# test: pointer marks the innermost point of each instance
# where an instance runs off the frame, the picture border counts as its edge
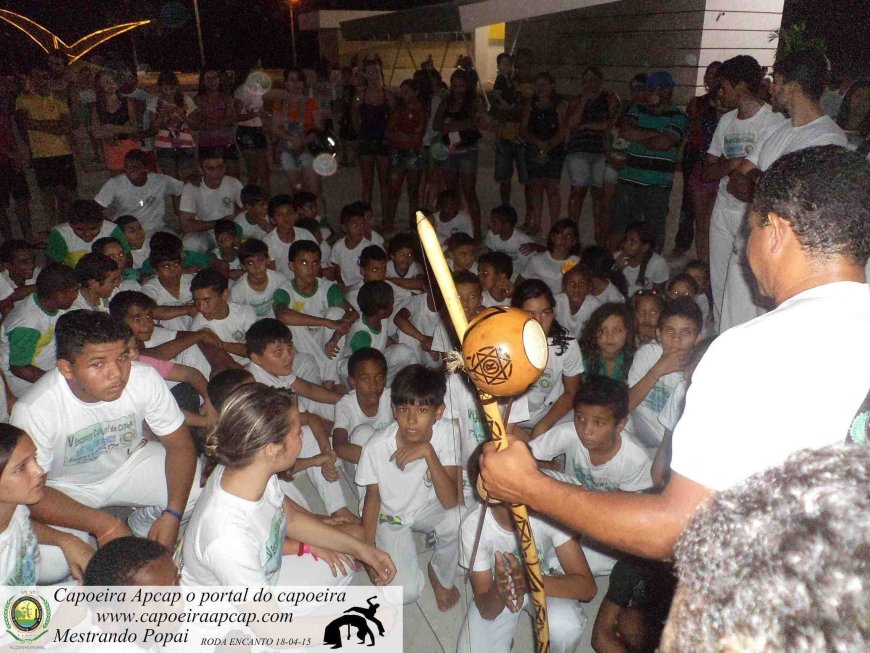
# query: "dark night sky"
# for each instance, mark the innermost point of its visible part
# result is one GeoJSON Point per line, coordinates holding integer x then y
{"type": "Point", "coordinates": [236, 30]}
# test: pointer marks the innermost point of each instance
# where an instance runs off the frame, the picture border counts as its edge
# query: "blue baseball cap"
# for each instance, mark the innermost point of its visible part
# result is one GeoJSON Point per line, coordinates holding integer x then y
{"type": "Point", "coordinates": [660, 79]}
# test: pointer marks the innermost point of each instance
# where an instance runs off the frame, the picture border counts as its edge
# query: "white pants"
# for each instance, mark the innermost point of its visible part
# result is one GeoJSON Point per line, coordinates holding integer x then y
{"type": "Point", "coordinates": [330, 492]}
{"type": "Point", "coordinates": [312, 340]}
{"type": "Point", "coordinates": [359, 436]}
{"type": "Point", "coordinates": [565, 618]}
{"type": "Point", "coordinates": [302, 571]}
{"type": "Point", "coordinates": [724, 228]}
{"type": "Point", "coordinates": [739, 299]}
{"type": "Point", "coordinates": [398, 541]}
{"type": "Point", "coordinates": [140, 482]}
{"type": "Point", "coordinates": [305, 366]}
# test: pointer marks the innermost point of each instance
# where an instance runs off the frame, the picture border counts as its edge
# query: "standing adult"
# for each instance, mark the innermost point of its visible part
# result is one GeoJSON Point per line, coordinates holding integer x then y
{"type": "Point", "coordinates": [541, 131]}
{"type": "Point", "coordinates": [699, 193]}
{"type": "Point", "coordinates": [115, 121]}
{"type": "Point", "coordinates": [371, 114]}
{"type": "Point", "coordinates": [406, 129]}
{"type": "Point", "coordinates": [754, 398]}
{"type": "Point", "coordinates": [174, 123]}
{"type": "Point", "coordinates": [457, 119]}
{"type": "Point", "coordinates": [737, 135]}
{"type": "Point", "coordinates": [588, 119]}
{"type": "Point", "coordinates": [654, 131]}
{"type": "Point", "coordinates": [798, 82]}
{"type": "Point", "coordinates": [216, 116]}
{"type": "Point", "coordinates": [250, 134]}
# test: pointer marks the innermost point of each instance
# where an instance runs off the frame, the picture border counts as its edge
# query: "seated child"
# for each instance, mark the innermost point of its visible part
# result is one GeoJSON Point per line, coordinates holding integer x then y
{"type": "Point", "coordinates": [254, 221]}
{"type": "Point", "coordinates": [635, 609]}
{"type": "Point", "coordinates": [411, 474]}
{"type": "Point", "coordinates": [314, 308]}
{"type": "Point", "coordinates": [22, 483]}
{"type": "Point", "coordinates": [402, 270]}
{"type": "Point", "coordinates": [192, 261]}
{"type": "Point", "coordinates": [71, 240]}
{"type": "Point", "coordinates": [700, 272]}
{"type": "Point", "coordinates": [641, 266]}
{"type": "Point", "coordinates": [226, 254]}
{"type": "Point", "coordinates": [136, 239]}
{"type": "Point", "coordinates": [170, 288]}
{"type": "Point", "coordinates": [495, 270]}
{"type": "Point", "coordinates": [500, 584]}
{"type": "Point", "coordinates": [373, 267]}
{"type": "Point", "coordinates": [227, 320]}
{"type": "Point", "coordinates": [418, 321]}
{"type": "Point", "coordinates": [449, 219]}
{"type": "Point", "coordinates": [608, 283]}
{"type": "Point", "coordinates": [562, 252]}
{"type": "Point", "coordinates": [216, 196]}
{"type": "Point", "coordinates": [270, 347]}
{"type": "Point", "coordinates": [346, 251]}
{"type": "Point", "coordinates": [27, 334]}
{"type": "Point", "coordinates": [110, 247]}
{"type": "Point", "coordinates": [684, 285]}
{"type": "Point", "coordinates": [363, 411]}
{"type": "Point", "coordinates": [657, 369]}
{"type": "Point", "coordinates": [369, 232]}
{"type": "Point", "coordinates": [503, 236]}
{"type": "Point", "coordinates": [646, 309]}
{"type": "Point", "coordinates": [551, 397]}
{"type": "Point", "coordinates": [98, 278]}
{"type": "Point", "coordinates": [596, 453]}
{"type": "Point", "coordinates": [671, 413]}
{"type": "Point", "coordinates": [245, 531]}
{"type": "Point", "coordinates": [374, 329]}
{"type": "Point", "coordinates": [283, 215]}
{"type": "Point", "coordinates": [607, 342]}
{"type": "Point", "coordinates": [258, 285]}
{"type": "Point", "coordinates": [574, 304]}
{"type": "Point", "coordinates": [462, 253]}
{"type": "Point", "coordinates": [131, 560]}
{"type": "Point", "coordinates": [307, 208]}
{"type": "Point", "coordinates": [18, 271]}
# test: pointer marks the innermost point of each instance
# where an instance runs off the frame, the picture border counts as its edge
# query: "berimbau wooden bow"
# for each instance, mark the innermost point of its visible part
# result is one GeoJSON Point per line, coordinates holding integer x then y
{"type": "Point", "coordinates": [435, 256]}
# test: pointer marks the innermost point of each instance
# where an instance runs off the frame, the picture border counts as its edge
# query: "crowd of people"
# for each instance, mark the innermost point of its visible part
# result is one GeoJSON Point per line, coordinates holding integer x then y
{"type": "Point", "coordinates": [190, 375]}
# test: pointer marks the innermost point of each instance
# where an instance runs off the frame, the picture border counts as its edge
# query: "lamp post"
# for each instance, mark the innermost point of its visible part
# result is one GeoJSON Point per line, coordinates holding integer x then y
{"type": "Point", "coordinates": [199, 33]}
{"type": "Point", "coordinates": [293, 30]}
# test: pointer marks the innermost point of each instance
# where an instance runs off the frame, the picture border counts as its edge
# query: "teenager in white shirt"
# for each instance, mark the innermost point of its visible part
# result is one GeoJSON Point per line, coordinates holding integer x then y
{"type": "Point", "coordinates": [561, 254]}
{"type": "Point", "coordinates": [641, 266]}
{"type": "Point", "coordinates": [503, 236]}
{"type": "Point", "coordinates": [258, 285]}
{"type": "Point", "coordinates": [217, 196]}
{"type": "Point", "coordinates": [283, 214]}
{"type": "Point", "coordinates": [139, 193]}
{"type": "Point", "coordinates": [227, 320]}
{"type": "Point", "coordinates": [244, 523]}
{"type": "Point", "coordinates": [99, 278]}
{"type": "Point", "coordinates": [22, 483]}
{"type": "Point", "coordinates": [346, 251]}
{"type": "Point", "coordinates": [449, 219]}
{"type": "Point", "coordinates": [254, 221]}
{"type": "Point", "coordinates": [92, 444]}
{"type": "Point", "coordinates": [170, 289]}
{"type": "Point", "coordinates": [574, 303]}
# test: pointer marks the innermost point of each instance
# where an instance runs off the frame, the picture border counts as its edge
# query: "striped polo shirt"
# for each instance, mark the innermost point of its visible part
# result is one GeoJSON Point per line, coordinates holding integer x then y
{"type": "Point", "coordinates": [648, 167]}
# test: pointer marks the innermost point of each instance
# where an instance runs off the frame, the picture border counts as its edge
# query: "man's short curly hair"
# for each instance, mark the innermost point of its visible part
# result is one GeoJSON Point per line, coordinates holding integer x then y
{"type": "Point", "coordinates": [779, 562]}
{"type": "Point", "coordinates": [824, 193]}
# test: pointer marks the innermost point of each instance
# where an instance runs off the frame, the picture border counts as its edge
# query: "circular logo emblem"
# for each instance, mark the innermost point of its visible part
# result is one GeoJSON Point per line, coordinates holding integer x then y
{"type": "Point", "coordinates": [26, 617]}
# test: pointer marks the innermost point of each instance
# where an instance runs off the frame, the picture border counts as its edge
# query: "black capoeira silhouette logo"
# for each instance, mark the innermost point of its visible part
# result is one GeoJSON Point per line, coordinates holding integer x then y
{"type": "Point", "coordinates": [332, 633]}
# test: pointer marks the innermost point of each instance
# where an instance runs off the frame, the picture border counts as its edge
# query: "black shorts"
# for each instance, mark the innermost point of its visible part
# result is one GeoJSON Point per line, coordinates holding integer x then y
{"type": "Point", "coordinates": [250, 138]}
{"type": "Point", "coordinates": [13, 183]}
{"type": "Point", "coordinates": [54, 171]}
{"type": "Point", "coordinates": [373, 146]}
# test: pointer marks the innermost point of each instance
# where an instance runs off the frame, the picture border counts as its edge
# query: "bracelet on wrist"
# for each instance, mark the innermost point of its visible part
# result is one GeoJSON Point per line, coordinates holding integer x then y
{"type": "Point", "coordinates": [170, 511]}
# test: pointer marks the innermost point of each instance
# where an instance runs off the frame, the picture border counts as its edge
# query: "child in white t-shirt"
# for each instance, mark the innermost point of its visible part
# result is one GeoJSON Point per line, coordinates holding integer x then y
{"type": "Point", "coordinates": [575, 303]}
{"type": "Point", "coordinates": [283, 214]}
{"type": "Point", "coordinates": [373, 266]}
{"type": "Point", "coordinates": [596, 453]}
{"type": "Point", "coordinates": [69, 241]}
{"type": "Point", "coordinates": [244, 522]}
{"type": "Point", "coordinates": [450, 219]}
{"type": "Point", "coordinates": [684, 285]}
{"type": "Point", "coordinates": [499, 582]}
{"type": "Point", "coordinates": [254, 221]}
{"type": "Point", "coordinates": [227, 320]}
{"type": "Point", "coordinates": [98, 277]}
{"type": "Point", "coordinates": [170, 289]}
{"type": "Point", "coordinates": [22, 483]}
{"type": "Point", "coordinates": [461, 253]}
{"type": "Point", "coordinates": [418, 321]}
{"type": "Point", "coordinates": [552, 395]}
{"type": "Point", "coordinates": [411, 474]}
{"type": "Point", "coordinates": [402, 270]}
{"type": "Point", "coordinates": [700, 272]}
{"type": "Point", "coordinates": [362, 412]}
{"type": "Point", "coordinates": [560, 255]}
{"type": "Point", "coordinates": [369, 232]}
{"type": "Point", "coordinates": [217, 196]}
{"type": "Point", "coordinates": [608, 283]}
{"type": "Point", "coordinates": [503, 236]}
{"type": "Point", "coordinates": [641, 266]}
{"type": "Point", "coordinates": [225, 257]}
{"type": "Point", "coordinates": [346, 251]}
{"type": "Point", "coordinates": [315, 309]}
{"type": "Point", "coordinates": [271, 350]}
{"type": "Point", "coordinates": [258, 285]}
{"type": "Point", "coordinates": [657, 369]}
{"type": "Point", "coordinates": [495, 270]}
{"type": "Point", "coordinates": [136, 238]}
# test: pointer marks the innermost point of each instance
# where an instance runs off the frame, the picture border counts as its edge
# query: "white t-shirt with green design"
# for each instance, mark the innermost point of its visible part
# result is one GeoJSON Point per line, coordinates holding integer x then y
{"type": "Point", "coordinates": [230, 329]}
{"type": "Point", "coordinates": [27, 338]}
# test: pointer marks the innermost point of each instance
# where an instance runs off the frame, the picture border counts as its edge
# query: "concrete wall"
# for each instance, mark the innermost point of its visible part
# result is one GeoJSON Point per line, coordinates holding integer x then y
{"type": "Point", "coordinates": [625, 38]}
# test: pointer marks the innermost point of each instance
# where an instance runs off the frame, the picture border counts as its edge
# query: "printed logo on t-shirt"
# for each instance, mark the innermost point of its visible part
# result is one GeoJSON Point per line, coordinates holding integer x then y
{"type": "Point", "coordinates": [657, 397]}
{"type": "Point", "coordinates": [263, 308]}
{"type": "Point", "coordinates": [427, 478]}
{"type": "Point", "coordinates": [590, 482]}
{"type": "Point", "coordinates": [24, 572]}
{"type": "Point", "coordinates": [274, 543]}
{"type": "Point", "coordinates": [545, 381]}
{"type": "Point", "coordinates": [228, 201]}
{"type": "Point", "coordinates": [88, 444]}
{"type": "Point", "coordinates": [739, 145]}
{"type": "Point", "coordinates": [239, 335]}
